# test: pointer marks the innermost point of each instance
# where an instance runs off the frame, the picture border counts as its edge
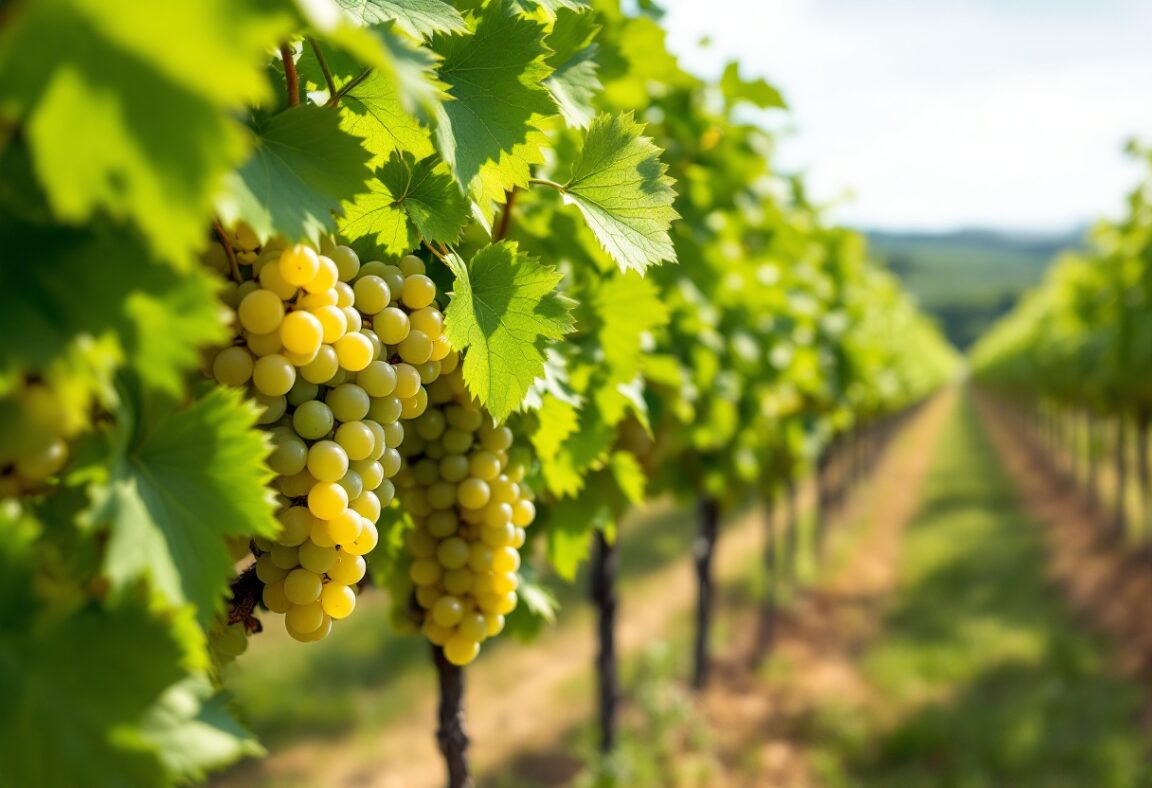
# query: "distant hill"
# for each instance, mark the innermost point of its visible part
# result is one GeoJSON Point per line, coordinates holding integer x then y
{"type": "Point", "coordinates": [968, 278]}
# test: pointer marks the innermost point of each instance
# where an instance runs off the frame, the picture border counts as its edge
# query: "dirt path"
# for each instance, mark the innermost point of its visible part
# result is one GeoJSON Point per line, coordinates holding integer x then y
{"type": "Point", "coordinates": [529, 697]}
{"type": "Point", "coordinates": [523, 700]}
{"type": "Point", "coordinates": [821, 638]}
{"type": "Point", "coordinates": [1108, 584]}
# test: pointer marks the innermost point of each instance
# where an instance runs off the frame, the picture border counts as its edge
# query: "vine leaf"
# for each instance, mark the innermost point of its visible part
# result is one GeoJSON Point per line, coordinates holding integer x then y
{"type": "Point", "coordinates": [574, 83]}
{"type": "Point", "coordinates": [91, 303]}
{"type": "Point", "coordinates": [489, 132]}
{"type": "Point", "coordinates": [504, 310]}
{"type": "Point", "coordinates": [757, 92]}
{"type": "Point", "coordinates": [406, 202]}
{"type": "Point", "coordinates": [55, 675]}
{"type": "Point", "coordinates": [194, 732]}
{"type": "Point", "coordinates": [622, 189]}
{"type": "Point", "coordinates": [417, 18]}
{"type": "Point", "coordinates": [301, 170]}
{"type": "Point", "coordinates": [85, 81]}
{"type": "Point", "coordinates": [179, 481]}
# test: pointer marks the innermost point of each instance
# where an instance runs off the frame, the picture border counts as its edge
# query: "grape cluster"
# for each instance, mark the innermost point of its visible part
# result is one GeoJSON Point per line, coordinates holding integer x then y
{"type": "Point", "coordinates": [336, 354]}
{"type": "Point", "coordinates": [35, 450]}
{"type": "Point", "coordinates": [470, 508]}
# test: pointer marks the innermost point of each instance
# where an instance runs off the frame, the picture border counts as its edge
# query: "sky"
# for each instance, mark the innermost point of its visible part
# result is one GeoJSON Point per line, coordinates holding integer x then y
{"type": "Point", "coordinates": [942, 114]}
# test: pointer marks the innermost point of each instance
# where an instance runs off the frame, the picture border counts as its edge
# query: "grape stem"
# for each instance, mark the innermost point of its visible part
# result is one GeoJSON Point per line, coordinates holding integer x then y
{"type": "Point", "coordinates": [291, 80]}
{"type": "Point", "coordinates": [550, 184]}
{"type": "Point", "coordinates": [450, 733]}
{"type": "Point", "coordinates": [331, 83]}
{"type": "Point", "coordinates": [505, 217]}
{"type": "Point", "coordinates": [348, 86]}
{"type": "Point", "coordinates": [228, 250]}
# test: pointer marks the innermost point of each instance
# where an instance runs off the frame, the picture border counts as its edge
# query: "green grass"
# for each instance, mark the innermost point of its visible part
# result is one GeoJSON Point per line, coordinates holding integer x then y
{"type": "Point", "coordinates": [981, 677]}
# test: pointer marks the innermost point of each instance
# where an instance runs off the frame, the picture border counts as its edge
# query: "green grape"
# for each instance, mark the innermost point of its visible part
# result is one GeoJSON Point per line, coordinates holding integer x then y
{"type": "Point", "coordinates": [274, 597]}
{"type": "Point", "coordinates": [367, 505]}
{"type": "Point", "coordinates": [484, 465]}
{"type": "Point", "coordinates": [458, 581]}
{"type": "Point", "coordinates": [273, 375]}
{"type": "Point", "coordinates": [302, 587]}
{"type": "Point", "coordinates": [230, 641]}
{"type": "Point", "coordinates": [352, 315]}
{"type": "Point", "coordinates": [273, 281]}
{"type": "Point", "coordinates": [323, 367]}
{"type": "Point", "coordinates": [348, 569]}
{"type": "Point", "coordinates": [419, 291]}
{"type": "Point", "coordinates": [347, 263]}
{"type": "Point", "coordinates": [373, 268]}
{"type": "Point", "coordinates": [290, 455]}
{"type": "Point", "coordinates": [371, 473]}
{"type": "Point", "coordinates": [357, 439]}
{"type": "Point", "coordinates": [453, 552]}
{"type": "Point", "coordinates": [284, 556]}
{"type": "Point", "coordinates": [407, 381]}
{"type": "Point", "coordinates": [296, 525]}
{"type": "Point", "coordinates": [302, 391]}
{"type": "Point", "coordinates": [352, 483]}
{"type": "Point", "coordinates": [327, 461]}
{"type": "Point", "coordinates": [416, 348]}
{"type": "Point", "coordinates": [454, 467]}
{"type": "Point", "coordinates": [313, 420]}
{"type": "Point", "coordinates": [392, 325]}
{"type": "Point", "coordinates": [473, 627]}
{"type": "Point", "coordinates": [430, 426]}
{"type": "Point", "coordinates": [303, 619]}
{"type": "Point", "coordinates": [473, 493]}
{"type": "Point", "coordinates": [428, 320]}
{"type": "Point", "coordinates": [457, 441]}
{"type": "Point", "coordinates": [344, 295]}
{"type": "Point", "coordinates": [393, 434]}
{"type": "Point", "coordinates": [268, 571]}
{"type": "Point", "coordinates": [447, 611]}
{"type": "Point", "coordinates": [232, 366]}
{"type": "Point", "coordinates": [315, 558]}
{"type": "Point", "coordinates": [348, 402]}
{"type": "Point", "coordinates": [261, 311]}
{"type": "Point", "coordinates": [372, 294]}
{"type": "Point", "coordinates": [264, 344]}
{"type": "Point", "coordinates": [378, 379]}
{"type": "Point", "coordinates": [410, 265]}
{"type": "Point", "coordinates": [385, 410]}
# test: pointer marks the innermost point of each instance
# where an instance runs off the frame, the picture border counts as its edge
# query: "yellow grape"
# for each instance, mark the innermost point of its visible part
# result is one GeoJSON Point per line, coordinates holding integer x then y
{"type": "Point", "coordinates": [337, 600]}
{"type": "Point", "coordinates": [273, 375]}
{"type": "Point", "coordinates": [299, 265]}
{"type": "Point", "coordinates": [354, 350]}
{"type": "Point", "coordinates": [261, 311]}
{"type": "Point", "coordinates": [232, 366]}
{"type": "Point", "coordinates": [327, 274]}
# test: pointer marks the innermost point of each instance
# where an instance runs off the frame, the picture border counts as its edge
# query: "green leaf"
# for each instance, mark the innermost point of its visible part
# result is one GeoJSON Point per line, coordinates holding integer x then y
{"type": "Point", "coordinates": [373, 111]}
{"type": "Point", "coordinates": [194, 732]}
{"type": "Point", "coordinates": [489, 133]}
{"type": "Point", "coordinates": [417, 18]}
{"type": "Point", "coordinates": [407, 201]}
{"type": "Point", "coordinates": [504, 310]}
{"type": "Point", "coordinates": [75, 683]}
{"type": "Point", "coordinates": [574, 84]}
{"type": "Point", "coordinates": [119, 119]}
{"type": "Point", "coordinates": [755, 91]}
{"type": "Point", "coordinates": [620, 185]}
{"type": "Point", "coordinates": [179, 482]}
{"type": "Point", "coordinates": [79, 289]}
{"type": "Point", "coordinates": [570, 523]}
{"type": "Point", "coordinates": [301, 170]}
{"type": "Point", "coordinates": [627, 308]}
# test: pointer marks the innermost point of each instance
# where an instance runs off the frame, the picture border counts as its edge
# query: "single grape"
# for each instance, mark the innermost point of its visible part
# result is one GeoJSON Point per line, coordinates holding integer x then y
{"type": "Point", "coordinates": [273, 375]}
{"type": "Point", "coordinates": [261, 311]}
{"type": "Point", "coordinates": [313, 420]}
{"type": "Point", "coordinates": [327, 461]}
{"type": "Point", "coordinates": [232, 366]}
{"type": "Point", "coordinates": [337, 600]}
{"type": "Point", "coordinates": [302, 587]}
{"type": "Point", "coordinates": [299, 265]}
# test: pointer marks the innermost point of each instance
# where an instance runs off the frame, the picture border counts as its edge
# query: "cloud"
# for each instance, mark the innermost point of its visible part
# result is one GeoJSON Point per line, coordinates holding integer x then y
{"type": "Point", "coordinates": [948, 113]}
